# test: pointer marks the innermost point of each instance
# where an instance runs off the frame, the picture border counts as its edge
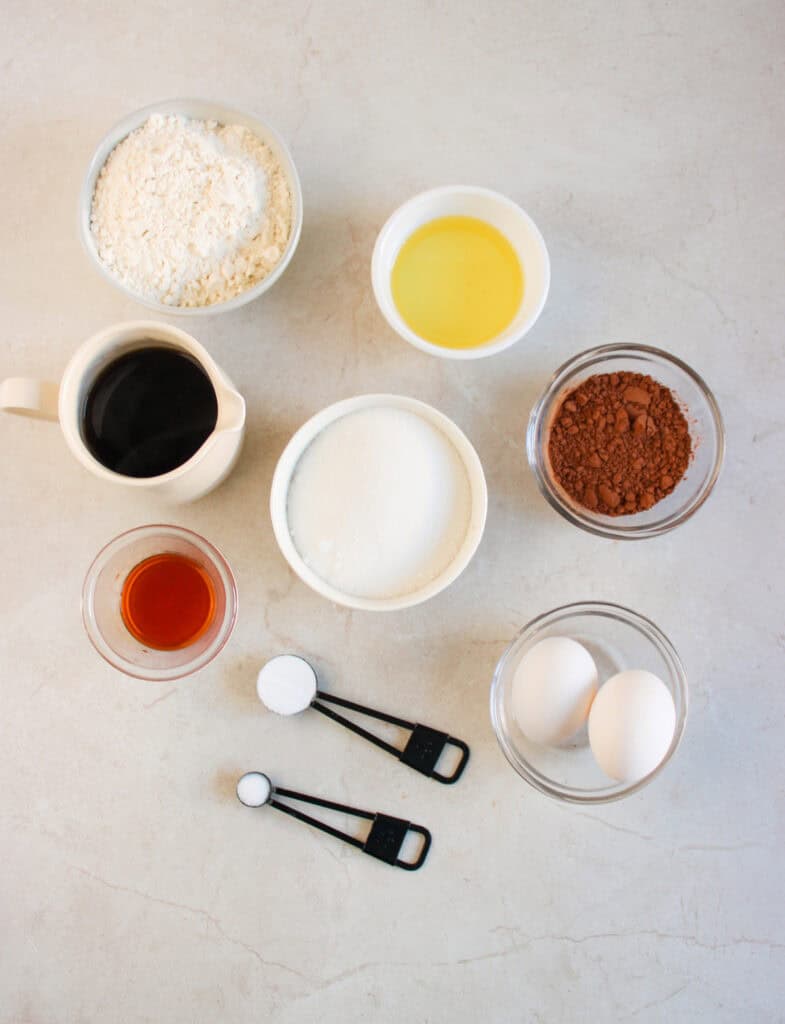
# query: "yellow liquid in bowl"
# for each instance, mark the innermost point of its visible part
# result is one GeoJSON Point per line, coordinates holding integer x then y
{"type": "Point", "coordinates": [457, 282]}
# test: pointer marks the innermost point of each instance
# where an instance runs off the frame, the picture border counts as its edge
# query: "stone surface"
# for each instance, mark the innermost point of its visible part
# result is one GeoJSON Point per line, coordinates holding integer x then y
{"type": "Point", "coordinates": [646, 140]}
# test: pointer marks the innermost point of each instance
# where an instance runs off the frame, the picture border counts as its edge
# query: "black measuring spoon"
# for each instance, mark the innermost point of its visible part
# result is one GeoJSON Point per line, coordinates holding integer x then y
{"type": "Point", "coordinates": [287, 685]}
{"type": "Point", "coordinates": [384, 841]}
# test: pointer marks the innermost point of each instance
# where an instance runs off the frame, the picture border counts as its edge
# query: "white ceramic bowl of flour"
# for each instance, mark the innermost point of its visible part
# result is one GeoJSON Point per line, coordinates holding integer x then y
{"type": "Point", "coordinates": [378, 502]}
{"type": "Point", "coordinates": [199, 110]}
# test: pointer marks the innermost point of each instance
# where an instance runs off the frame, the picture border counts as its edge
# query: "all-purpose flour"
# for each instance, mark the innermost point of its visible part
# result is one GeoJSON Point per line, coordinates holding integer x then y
{"type": "Point", "coordinates": [191, 213]}
{"type": "Point", "coordinates": [379, 503]}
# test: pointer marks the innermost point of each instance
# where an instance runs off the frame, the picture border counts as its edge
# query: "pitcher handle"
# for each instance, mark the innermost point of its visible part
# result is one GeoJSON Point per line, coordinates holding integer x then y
{"type": "Point", "coordinates": [27, 397]}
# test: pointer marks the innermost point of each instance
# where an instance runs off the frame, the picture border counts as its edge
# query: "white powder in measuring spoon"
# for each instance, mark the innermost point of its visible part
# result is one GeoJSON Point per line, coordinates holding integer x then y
{"type": "Point", "coordinates": [379, 503]}
{"type": "Point", "coordinates": [189, 212]}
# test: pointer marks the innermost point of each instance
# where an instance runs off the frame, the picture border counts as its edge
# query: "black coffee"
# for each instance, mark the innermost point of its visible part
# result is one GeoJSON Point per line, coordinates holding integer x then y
{"type": "Point", "coordinates": [148, 412]}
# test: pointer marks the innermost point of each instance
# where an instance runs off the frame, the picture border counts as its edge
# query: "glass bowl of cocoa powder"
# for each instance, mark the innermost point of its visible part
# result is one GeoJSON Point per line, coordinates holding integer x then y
{"type": "Point", "coordinates": [626, 442]}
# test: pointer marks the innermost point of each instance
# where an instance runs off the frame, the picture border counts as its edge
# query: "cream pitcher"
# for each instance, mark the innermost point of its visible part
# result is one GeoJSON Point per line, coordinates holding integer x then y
{"type": "Point", "coordinates": [200, 472]}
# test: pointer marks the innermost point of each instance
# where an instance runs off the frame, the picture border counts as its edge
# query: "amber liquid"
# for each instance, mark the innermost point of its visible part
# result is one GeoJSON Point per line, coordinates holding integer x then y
{"type": "Point", "coordinates": [168, 602]}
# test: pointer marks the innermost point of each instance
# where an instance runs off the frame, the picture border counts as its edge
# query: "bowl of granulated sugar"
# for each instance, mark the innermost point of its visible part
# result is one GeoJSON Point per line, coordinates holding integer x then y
{"type": "Point", "coordinates": [191, 207]}
{"type": "Point", "coordinates": [378, 502]}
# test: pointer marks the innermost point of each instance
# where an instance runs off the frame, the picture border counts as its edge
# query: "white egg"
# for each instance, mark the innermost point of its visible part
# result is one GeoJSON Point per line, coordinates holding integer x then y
{"type": "Point", "coordinates": [631, 724]}
{"type": "Point", "coordinates": [552, 690]}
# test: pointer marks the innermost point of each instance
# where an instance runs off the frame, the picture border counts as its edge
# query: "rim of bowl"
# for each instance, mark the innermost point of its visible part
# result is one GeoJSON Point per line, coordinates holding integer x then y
{"type": "Point", "coordinates": [287, 464]}
{"type": "Point", "coordinates": [200, 109]}
{"type": "Point", "coordinates": [535, 432]}
{"type": "Point", "coordinates": [102, 646]}
{"type": "Point", "coordinates": [602, 609]}
{"type": "Point", "coordinates": [381, 283]}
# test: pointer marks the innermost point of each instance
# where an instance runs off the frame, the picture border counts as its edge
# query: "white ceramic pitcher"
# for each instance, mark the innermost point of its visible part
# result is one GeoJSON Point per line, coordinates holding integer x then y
{"type": "Point", "coordinates": [65, 403]}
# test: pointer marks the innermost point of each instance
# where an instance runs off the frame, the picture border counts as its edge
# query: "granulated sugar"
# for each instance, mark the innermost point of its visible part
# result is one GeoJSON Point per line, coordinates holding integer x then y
{"type": "Point", "coordinates": [191, 213]}
{"type": "Point", "coordinates": [379, 503]}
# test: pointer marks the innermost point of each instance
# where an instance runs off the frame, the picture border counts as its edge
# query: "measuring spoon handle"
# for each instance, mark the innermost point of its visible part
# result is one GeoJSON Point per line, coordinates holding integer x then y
{"type": "Point", "coordinates": [423, 748]}
{"type": "Point", "coordinates": [384, 841]}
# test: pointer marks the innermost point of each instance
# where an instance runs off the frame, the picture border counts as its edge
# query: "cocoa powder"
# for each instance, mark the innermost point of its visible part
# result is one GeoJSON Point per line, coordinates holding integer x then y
{"type": "Point", "coordinates": [619, 443]}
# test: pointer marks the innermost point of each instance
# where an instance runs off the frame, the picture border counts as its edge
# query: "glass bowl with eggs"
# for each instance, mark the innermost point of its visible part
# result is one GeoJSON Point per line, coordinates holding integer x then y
{"type": "Point", "coordinates": [589, 702]}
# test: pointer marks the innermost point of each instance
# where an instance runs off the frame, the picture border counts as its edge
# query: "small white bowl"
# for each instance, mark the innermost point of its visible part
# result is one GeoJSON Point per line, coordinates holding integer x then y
{"type": "Point", "coordinates": [464, 201]}
{"type": "Point", "coordinates": [288, 463]}
{"type": "Point", "coordinates": [201, 110]}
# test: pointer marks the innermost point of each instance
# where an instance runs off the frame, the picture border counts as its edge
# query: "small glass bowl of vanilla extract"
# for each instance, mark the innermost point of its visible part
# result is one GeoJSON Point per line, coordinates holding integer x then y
{"type": "Point", "coordinates": [159, 602]}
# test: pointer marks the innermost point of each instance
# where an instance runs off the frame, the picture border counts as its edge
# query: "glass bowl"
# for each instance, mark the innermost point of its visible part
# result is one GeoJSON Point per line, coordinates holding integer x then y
{"type": "Point", "coordinates": [617, 639]}
{"type": "Point", "coordinates": [102, 592]}
{"type": "Point", "coordinates": [702, 414]}
{"type": "Point", "coordinates": [201, 110]}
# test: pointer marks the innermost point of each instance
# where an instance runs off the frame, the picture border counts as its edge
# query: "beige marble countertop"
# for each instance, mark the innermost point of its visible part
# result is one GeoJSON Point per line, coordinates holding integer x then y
{"type": "Point", "coordinates": [646, 140]}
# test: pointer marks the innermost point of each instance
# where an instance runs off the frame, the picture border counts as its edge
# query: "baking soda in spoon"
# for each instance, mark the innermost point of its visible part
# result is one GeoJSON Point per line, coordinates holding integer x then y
{"type": "Point", "coordinates": [254, 789]}
{"type": "Point", "coordinates": [286, 684]}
